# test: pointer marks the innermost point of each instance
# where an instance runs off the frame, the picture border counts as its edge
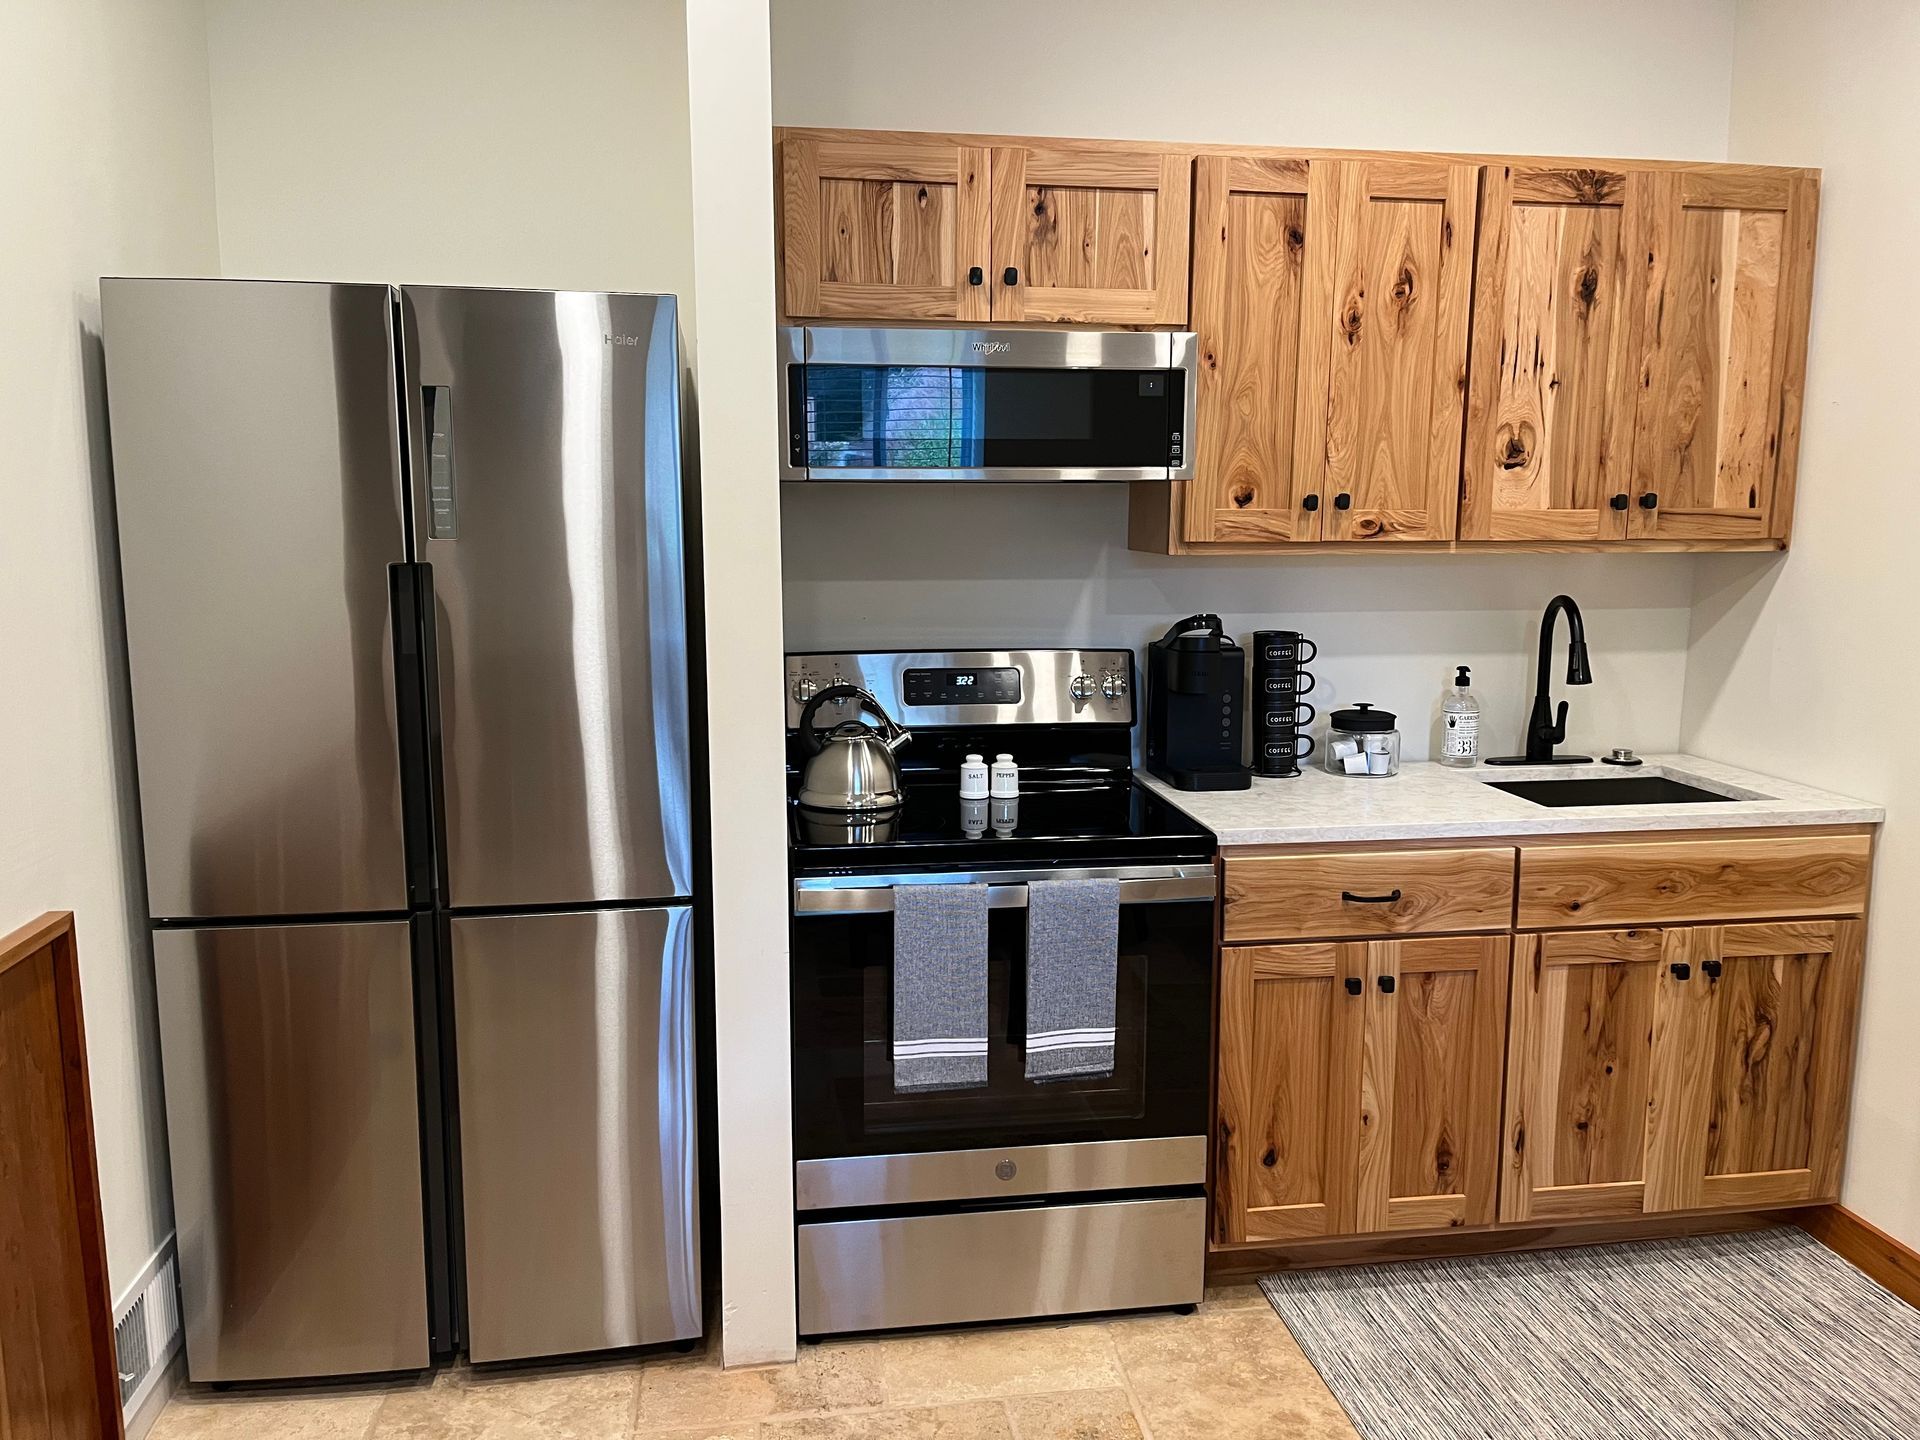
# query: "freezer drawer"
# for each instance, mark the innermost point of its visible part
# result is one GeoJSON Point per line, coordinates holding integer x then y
{"type": "Point", "coordinates": [578, 1151]}
{"type": "Point", "coordinates": [293, 1123]}
{"type": "Point", "coordinates": [256, 463]}
{"type": "Point", "coordinates": [944, 1269]}
{"type": "Point", "coordinates": [547, 502]}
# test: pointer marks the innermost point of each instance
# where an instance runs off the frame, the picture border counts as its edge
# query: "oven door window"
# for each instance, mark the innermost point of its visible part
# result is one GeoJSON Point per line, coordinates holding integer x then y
{"type": "Point", "coordinates": [845, 1101]}
{"type": "Point", "coordinates": [936, 417]}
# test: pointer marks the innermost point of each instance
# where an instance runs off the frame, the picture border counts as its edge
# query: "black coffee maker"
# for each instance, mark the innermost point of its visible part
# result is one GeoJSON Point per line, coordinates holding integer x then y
{"type": "Point", "coordinates": [1196, 695]}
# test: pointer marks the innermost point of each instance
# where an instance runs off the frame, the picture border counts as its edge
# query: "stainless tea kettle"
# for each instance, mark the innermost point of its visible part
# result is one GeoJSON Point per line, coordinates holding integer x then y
{"type": "Point", "coordinates": [852, 766]}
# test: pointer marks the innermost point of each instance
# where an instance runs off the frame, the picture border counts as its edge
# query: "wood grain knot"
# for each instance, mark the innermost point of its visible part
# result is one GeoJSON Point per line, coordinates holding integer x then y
{"type": "Point", "coordinates": [1296, 237]}
{"type": "Point", "coordinates": [1270, 1159]}
{"type": "Point", "coordinates": [1351, 317]}
{"type": "Point", "coordinates": [1403, 287]}
{"type": "Point", "coordinates": [1586, 288]}
{"type": "Point", "coordinates": [1588, 187]}
{"type": "Point", "coordinates": [921, 196]}
{"type": "Point", "coordinates": [1368, 525]}
{"type": "Point", "coordinates": [1513, 448]}
{"type": "Point", "coordinates": [1242, 495]}
{"type": "Point", "coordinates": [1211, 360]}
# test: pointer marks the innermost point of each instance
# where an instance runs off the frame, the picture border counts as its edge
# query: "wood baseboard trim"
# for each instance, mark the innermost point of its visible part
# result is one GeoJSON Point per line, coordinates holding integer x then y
{"type": "Point", "coordinates": [1243, 1263]}
{"type": "Point", "coordinates": [1890, 1262]}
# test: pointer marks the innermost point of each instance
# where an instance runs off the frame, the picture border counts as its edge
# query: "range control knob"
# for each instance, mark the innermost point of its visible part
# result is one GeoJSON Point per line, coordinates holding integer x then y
{"type": "Point", "coordinates": [1081, 687]}
{"type": "Point", "coordinates": [805, 688]}
{"type": "Point", "coordinates": [1113, 684]}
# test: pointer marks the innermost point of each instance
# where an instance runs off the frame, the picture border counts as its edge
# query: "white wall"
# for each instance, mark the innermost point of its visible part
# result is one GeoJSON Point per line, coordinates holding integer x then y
{"type": "Point", "coordinates": [107, 169]}
{"type": "Point", "coordinates": [455, 142]}
{"type": "Point", "coordinates": [1786, 654]}
{"type": "Point", "coordinates": [1649, 79]}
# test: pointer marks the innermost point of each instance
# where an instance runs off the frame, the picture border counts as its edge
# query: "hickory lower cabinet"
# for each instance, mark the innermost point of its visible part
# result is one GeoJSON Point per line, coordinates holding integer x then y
{"type": "Point", "coordinates": [1617, 1030]}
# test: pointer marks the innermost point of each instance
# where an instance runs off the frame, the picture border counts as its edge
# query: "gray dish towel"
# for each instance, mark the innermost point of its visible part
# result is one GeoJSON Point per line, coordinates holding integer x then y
{"type": "Point", "coordinates": [1073, 963]}
{"type": "Point", "coordinates": [939, 986]}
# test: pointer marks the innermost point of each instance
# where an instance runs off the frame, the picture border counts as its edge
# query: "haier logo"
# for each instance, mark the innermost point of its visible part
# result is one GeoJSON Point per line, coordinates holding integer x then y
{"type": "Point", "coordinates": [991, 347]}
{"type": "Point", "coordinates": [623, 339]}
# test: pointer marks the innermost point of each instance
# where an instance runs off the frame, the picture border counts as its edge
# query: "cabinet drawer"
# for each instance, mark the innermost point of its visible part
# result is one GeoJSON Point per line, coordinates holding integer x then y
{"type": "Point", "coordinates": [1368, 892]}
{"type": "Point", "coordinates": [1684, 880]}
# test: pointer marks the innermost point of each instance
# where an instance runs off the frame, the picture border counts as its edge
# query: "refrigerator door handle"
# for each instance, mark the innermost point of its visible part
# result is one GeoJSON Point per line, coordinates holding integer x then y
{"type": "Point", "coordinates": [410, 591]}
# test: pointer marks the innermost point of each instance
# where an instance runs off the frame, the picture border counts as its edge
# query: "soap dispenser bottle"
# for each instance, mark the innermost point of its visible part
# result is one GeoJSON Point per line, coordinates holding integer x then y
{"type": "Point", "coordinates": [1460, 723]}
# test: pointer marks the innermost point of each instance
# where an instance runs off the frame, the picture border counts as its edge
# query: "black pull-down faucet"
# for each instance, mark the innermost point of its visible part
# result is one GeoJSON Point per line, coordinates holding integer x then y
{"type": "Point", "coordinates": [1544, 729]}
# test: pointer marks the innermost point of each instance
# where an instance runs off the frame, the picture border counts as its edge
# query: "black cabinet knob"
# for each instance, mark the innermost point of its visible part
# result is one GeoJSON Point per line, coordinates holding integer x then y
{"type": "Point", "coordinates": [1010, 276]}
{"type": "Point", "coordinates": [1649, 500]}
{"type": "Point", "coordinates": [1681, 970]}
{"type": "Point", "coordinates": [1712, 967]}
{"type": "Point", "coordinates": [1619, 502]}
{"type": "Point", "coordinates": [1353, 985]}
{"type": "Point", "coordinates": [1387, 984]}
{"type": "Point", "coordinates": [977, 276]}
{"type": "Point", "coordinates": [1312, 502]}
{"type": "Point", "coordinates": [1343, 501]}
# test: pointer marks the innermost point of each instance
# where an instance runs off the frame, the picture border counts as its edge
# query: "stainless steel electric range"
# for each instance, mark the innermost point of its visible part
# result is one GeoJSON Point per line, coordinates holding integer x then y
{"type": "Point", "coordinates": [1017, 1197]}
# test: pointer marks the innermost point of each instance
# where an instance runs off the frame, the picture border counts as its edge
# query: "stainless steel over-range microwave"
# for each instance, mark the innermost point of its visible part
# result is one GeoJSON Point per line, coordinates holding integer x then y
{"type": "Point", "coordinates": [901, 404]}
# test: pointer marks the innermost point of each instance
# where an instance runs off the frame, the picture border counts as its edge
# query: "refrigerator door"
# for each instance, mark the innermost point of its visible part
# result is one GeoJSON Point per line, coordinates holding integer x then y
{"type": "Point", "coordinates": [577, 1130]}
{"type": "Point", "coordinates": [256, 459]}
{"type": "Point", "coordinates": [547, 504]}
{"type": "Point", "coordinates": [292, 1117]}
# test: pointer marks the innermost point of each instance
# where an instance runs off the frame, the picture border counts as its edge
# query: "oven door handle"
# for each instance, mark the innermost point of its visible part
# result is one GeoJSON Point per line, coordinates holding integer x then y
{"type": "Point", "coordinates": [870, 894]}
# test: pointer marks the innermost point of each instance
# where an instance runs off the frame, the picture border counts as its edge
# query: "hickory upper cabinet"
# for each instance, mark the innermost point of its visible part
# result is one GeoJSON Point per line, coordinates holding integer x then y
{"type": "Point", "coordinates": [889, 227]}
{"type": "Point", "coordinates": [1331, 301]}
{"type": "Point", "coordinates": [1639, 339]}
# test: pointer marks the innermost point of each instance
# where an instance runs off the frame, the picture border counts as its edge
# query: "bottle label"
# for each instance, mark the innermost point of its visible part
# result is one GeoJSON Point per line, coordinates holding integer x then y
{"type": "Point", "coordinates": [1462, 737]}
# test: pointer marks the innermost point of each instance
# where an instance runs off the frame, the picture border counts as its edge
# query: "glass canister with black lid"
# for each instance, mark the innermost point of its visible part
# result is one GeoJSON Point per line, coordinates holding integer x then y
{"type": "Point", "coordinates": [1362, 741]}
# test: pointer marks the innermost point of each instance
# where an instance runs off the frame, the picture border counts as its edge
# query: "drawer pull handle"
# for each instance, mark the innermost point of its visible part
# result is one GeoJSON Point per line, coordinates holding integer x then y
{"type": "Point", "coordinates": [1712, 967]}
{"type": "Point", "coordinates": [1353, 985]}
{"type": "Point", "coordinates": [1386, 899]}
{"type": "Point", "coordinates": [1681, 970]}
{"type": "Point", "coordinates": [1387, 983]}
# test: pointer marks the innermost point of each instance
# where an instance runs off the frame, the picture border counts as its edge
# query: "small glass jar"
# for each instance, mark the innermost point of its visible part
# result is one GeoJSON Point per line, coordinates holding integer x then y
{"type": "Point", "coordinates": [1362, 741]}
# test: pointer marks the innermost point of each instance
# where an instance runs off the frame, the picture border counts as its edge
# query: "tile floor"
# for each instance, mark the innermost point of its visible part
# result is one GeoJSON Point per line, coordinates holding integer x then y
{"type": "Point", "coordinates": [1229, 1370]}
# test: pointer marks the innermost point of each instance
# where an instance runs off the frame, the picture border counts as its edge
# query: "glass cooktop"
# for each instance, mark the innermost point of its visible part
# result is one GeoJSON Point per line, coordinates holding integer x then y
{"type": "Point", "coordinates": [1063, 819]}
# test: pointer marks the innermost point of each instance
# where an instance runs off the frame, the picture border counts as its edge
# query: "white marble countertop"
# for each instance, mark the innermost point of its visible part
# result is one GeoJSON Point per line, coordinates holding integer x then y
{"type": "Point", "coordinates": [1427, 801]}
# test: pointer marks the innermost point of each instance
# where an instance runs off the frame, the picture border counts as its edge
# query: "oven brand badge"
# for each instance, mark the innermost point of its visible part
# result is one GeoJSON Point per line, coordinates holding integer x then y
{"type": "Point", "coordinates": [991, 347]}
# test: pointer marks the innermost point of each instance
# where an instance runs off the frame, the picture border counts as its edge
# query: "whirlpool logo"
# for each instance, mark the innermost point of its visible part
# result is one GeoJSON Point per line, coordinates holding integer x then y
{"type": "Point", "coordinates": [991, 347]}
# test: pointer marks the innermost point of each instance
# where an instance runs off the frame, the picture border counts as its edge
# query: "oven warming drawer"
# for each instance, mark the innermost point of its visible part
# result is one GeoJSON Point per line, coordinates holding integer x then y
{"type": "Point", "coordinates": [1005, 1172]}
{"type": "Point", "coordinates": [1001, 1264]}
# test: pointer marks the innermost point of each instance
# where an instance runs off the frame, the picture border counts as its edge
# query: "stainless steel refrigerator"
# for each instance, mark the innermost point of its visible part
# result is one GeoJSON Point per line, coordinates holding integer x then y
{"type": "Point", "coordinates": [405, 592]}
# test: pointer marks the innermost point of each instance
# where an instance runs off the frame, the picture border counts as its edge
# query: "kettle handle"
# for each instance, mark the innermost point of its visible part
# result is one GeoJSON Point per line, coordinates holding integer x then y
{"type": "Point", "coordinates": [811, 737]}
{"type": "Point", "coordinates": [1210, 623]}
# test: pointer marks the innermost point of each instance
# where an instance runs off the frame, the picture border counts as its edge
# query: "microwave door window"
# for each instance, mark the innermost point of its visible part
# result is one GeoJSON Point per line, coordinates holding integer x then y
{"type": "Point", "coordinates": [881, 417]}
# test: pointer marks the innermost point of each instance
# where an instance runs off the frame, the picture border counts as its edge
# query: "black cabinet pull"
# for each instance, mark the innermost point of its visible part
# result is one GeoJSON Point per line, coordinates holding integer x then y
{"type": "Point", "coordinates": [1681, 970]}
{"type": "Point", "coordinates": [1387, 983]}
{"type": "Point", "coordinates": [1649, 500]}
{"type": "Point", "coordinates": [1712, 967]}
{"type": "Point", "coordinates": [1312, 502]}
{"type": "Point", "coordinates": [1010, 276]}
{"type": "Point", "coordinates": [977, 276]}
{"type": "Point", "coordinates": [1386, 899]}
{"type": "Point", "coordinates": [1619, 502]}
{"type": "Point", "coordinates": [1353, 985]}
{"type": "Point", "coordinates": [1342, 501]}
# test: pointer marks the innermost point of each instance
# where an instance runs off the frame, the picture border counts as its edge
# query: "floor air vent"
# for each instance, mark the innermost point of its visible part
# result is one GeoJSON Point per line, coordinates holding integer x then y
{"type": "Point", "coordinates": [147, 1332]}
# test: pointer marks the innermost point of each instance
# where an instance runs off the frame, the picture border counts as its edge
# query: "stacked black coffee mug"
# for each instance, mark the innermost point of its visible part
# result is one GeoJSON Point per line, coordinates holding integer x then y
{"type": "Point", "coordinates": [1281, 714]}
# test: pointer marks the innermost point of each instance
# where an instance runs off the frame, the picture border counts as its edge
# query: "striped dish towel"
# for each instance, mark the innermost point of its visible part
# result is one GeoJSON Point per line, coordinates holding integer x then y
{"type": "Point", "coordinates": [1073, 963]}
{"type": "Point", "coordinates": [939, 987]}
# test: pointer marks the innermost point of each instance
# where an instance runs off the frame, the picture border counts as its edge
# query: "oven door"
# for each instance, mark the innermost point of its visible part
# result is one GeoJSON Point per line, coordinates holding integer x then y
{"type": "Point", "coordinates": [986, 405]}
{"type": "Point", "coordinates": [859, 1141]}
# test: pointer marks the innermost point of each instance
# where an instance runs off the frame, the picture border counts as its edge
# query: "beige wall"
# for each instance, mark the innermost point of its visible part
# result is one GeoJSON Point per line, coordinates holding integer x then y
{"type": "Point", "coordinates": [1051, 564]}
{"type": "Point", "coordinates": [458, 142]}
{"type": "Point", "coordinates": [107, 169]}
{"type": "Point", "coordinates": [1799, 665]}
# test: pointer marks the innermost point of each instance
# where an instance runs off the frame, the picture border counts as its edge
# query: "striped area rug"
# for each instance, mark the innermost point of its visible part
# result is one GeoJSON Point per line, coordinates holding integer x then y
{"type": "Point", "coordinates": [1762, 1335]}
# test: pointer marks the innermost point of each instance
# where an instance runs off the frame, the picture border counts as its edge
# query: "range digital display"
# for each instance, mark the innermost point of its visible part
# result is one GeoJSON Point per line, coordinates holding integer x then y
{"type": "Point", "coordinates": [995, 685]}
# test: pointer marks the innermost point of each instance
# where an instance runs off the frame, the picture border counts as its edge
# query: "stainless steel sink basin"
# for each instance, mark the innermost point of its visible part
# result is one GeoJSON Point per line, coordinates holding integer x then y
{"type": "Point", "coordinates": [1613, 790]}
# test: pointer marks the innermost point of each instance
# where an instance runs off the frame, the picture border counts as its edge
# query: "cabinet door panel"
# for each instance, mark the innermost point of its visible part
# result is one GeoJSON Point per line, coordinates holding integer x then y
{"type": "Point", "coordinates": [1290, 1057]}
{"type": "Point", "coordinates": [1396, 395]}
{"type": "Point", "coordinates": [1262, 278]}
{"type": "Point", "coordinates": [1720, 351]}
{"type": "Point", "coordinates": [885, 229]}
{"type": "Point", "coordinates": [1433, 1054]}
{"type": "Point", "coordinates": [1753, 1051]}
{"type": "Point", "coordinates": [1090, 235]}
{"type": "Point", "coordinates": [1579, 1074]}
{"type": "Point", "coordinates": [1550, 420]}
